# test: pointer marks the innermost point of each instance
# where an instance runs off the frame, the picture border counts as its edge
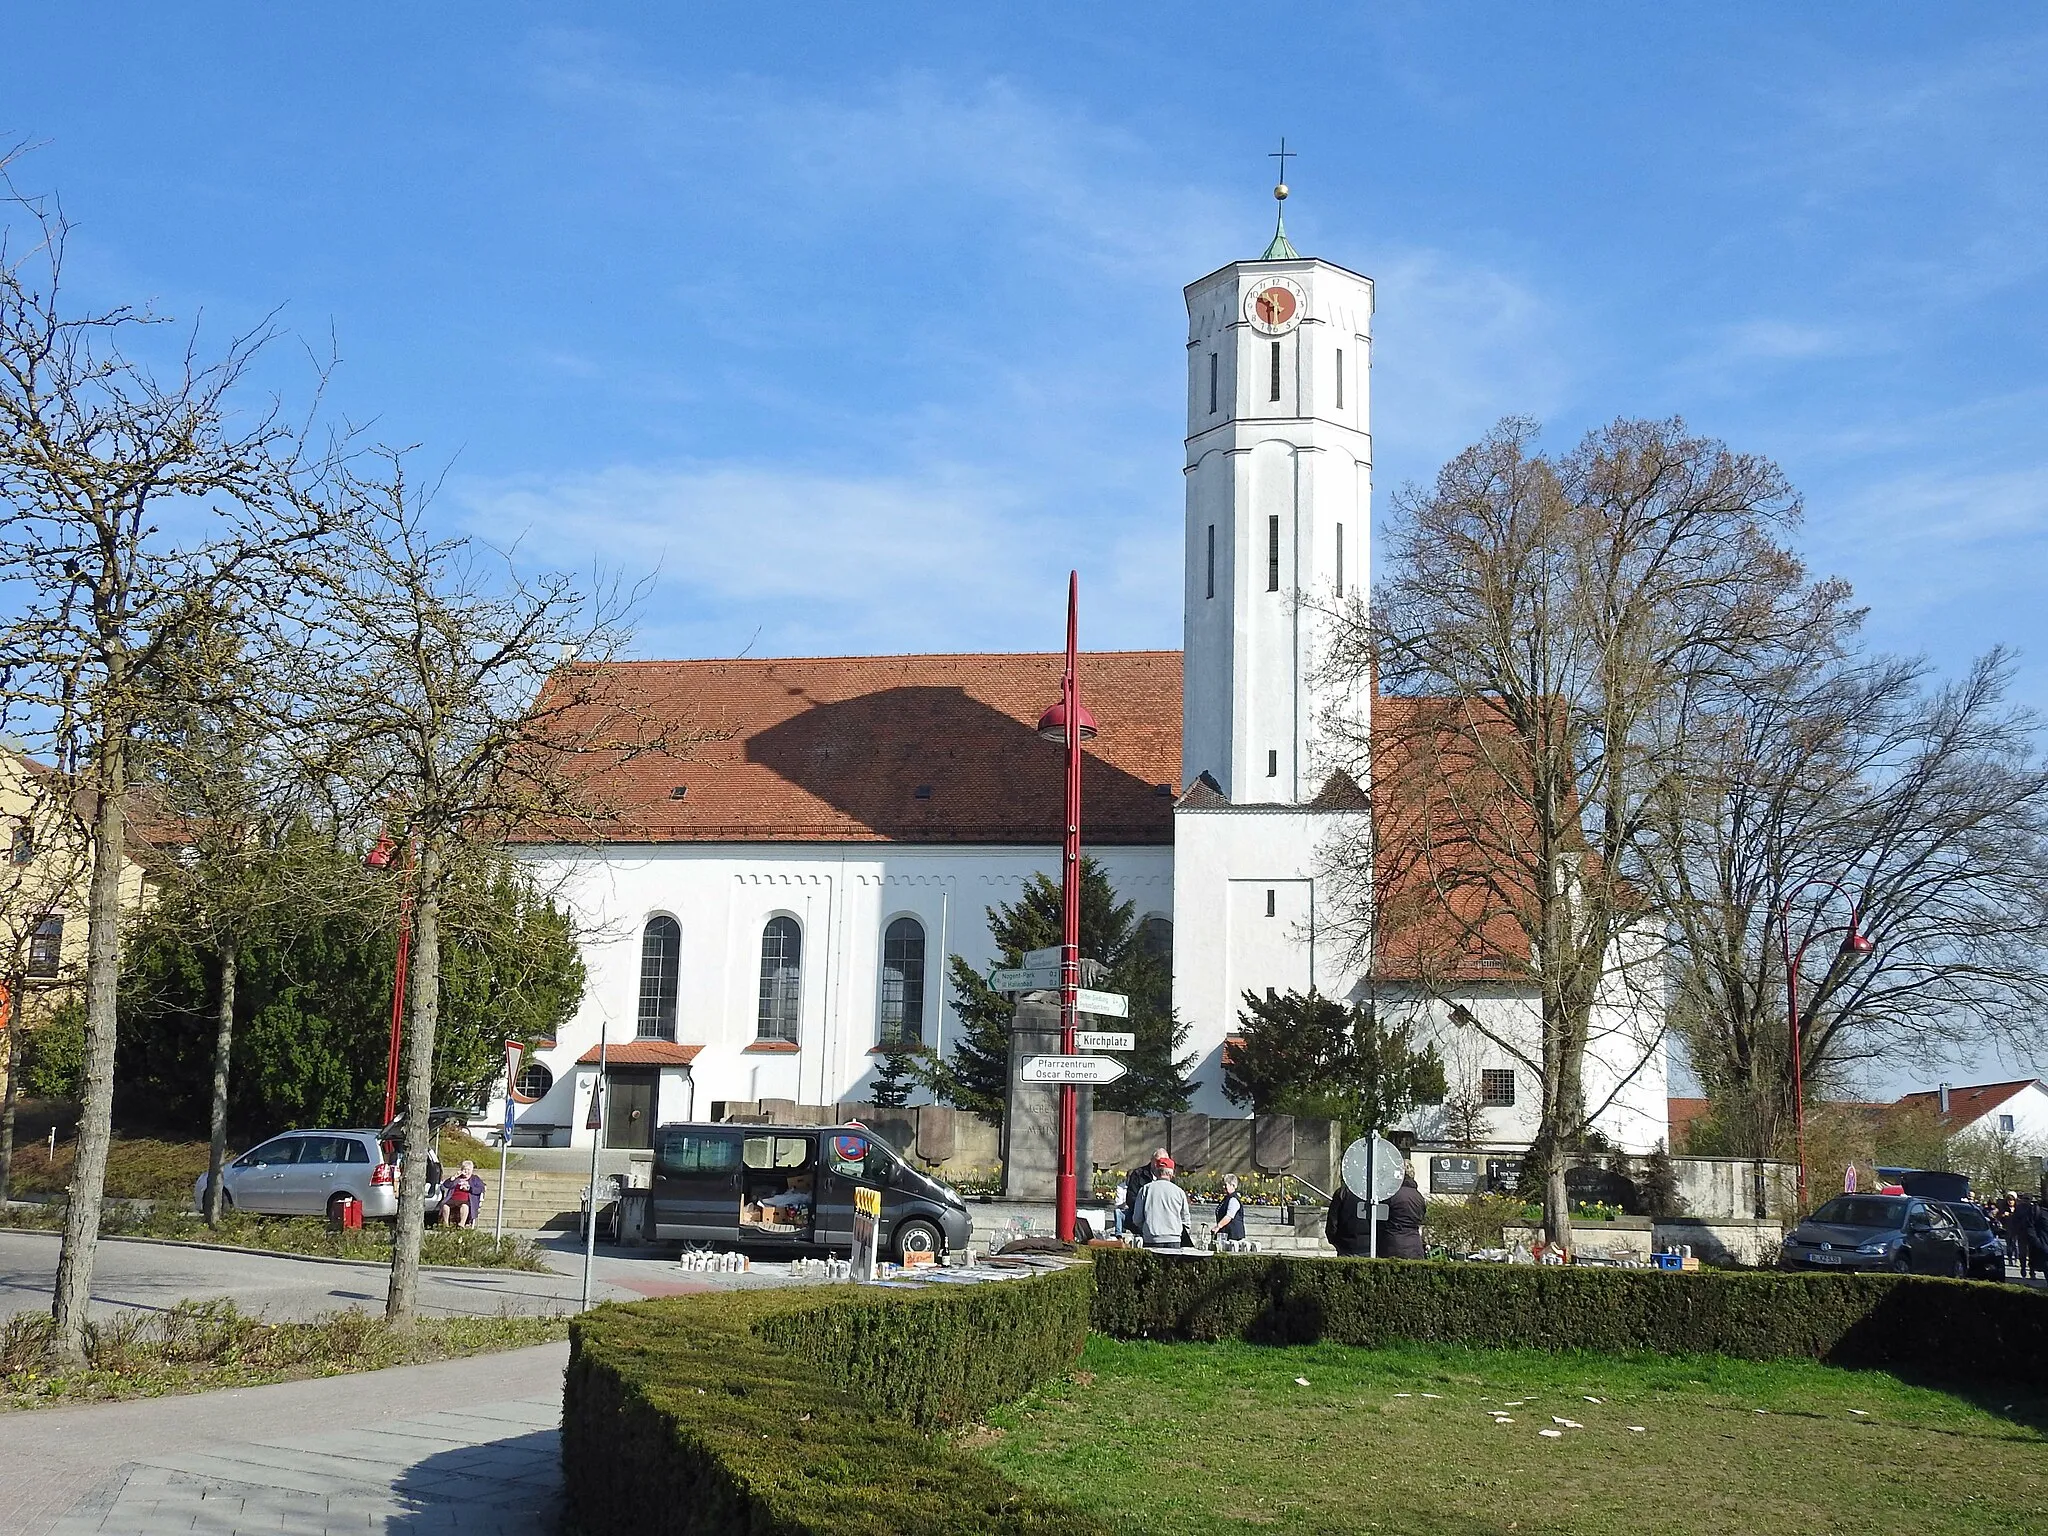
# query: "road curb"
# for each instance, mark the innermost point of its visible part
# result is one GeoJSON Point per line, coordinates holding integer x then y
{"type": "Point", "coordinates": [303, 1258]}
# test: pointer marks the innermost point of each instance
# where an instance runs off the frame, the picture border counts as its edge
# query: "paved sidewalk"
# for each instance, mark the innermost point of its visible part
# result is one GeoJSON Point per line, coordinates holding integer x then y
{"type": "Point", "coordinates": [454, 1447]}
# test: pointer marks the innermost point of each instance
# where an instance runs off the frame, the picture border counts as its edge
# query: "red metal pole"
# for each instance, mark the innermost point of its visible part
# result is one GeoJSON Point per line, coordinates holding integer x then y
{"type": "Point", "coordinates": [398, 984]}
{"type": "Point", "coordinates": [1066, 1191]}
{"type": "Point", "coordinates": [1792, 1013]}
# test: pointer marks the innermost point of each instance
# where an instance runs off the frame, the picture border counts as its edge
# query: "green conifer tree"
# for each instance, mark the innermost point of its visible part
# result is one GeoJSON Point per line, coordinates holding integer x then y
{"type": "Point", "coordinates": [975, 1075]}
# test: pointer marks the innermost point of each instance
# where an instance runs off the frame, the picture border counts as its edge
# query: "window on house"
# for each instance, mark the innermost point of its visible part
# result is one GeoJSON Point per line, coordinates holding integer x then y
{"type": "Point", "coordinates": [903, 983]}
{"type": "Point", "coordinates": [782, 945]}
{"type": "Point", "coordinates": [535, 1080]}
{"type": "Point", "coordinates": [23, 849]}
{"type": "Point", "coordinates": [1497, 1088]}
{"type": "Point", "coordinates": [661, 957]}
{"type": "Point", "coordinates": [1155, 938]}
{"type": "Point", "coordinates": [2005, 1123]}
{"type": "Point", "coordinates": [1340, 378]}
{"type": "Point", "coordinates": [46, 947]}
{"type": "Point", "coordinates": [1212, 560]}
{"type": "Point", "coordinates": [1340, 559]}
{"type": "Point", "coordinates": [1212, 383]}
{"type": "Point", "coordinates": [1272, 903]}
{"type": "Point", "coordinates": [1273, 764]}
{"type": "Point", "coordinates": [1276, 372]}
{"type": "Point", "coordinates": [1273, 554]}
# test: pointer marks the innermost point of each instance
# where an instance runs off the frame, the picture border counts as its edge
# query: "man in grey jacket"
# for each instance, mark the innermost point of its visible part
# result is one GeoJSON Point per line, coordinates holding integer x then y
{"type": "Point", "coordinates": [1161, 1212]}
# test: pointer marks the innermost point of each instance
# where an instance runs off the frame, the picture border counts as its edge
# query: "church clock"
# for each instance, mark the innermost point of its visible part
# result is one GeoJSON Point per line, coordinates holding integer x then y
{"type": "Point", "coordinates": [1274, 306]}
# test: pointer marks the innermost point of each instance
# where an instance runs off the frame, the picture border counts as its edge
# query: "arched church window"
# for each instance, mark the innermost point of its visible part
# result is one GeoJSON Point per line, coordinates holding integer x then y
{"type": "Point", "coordinates": [1273, 554]}
{"type": "Point", "coordinates": [902, 1021]}
{"type": "Point", "coordinates": [782, 953]}
{"type": "Point", "coordinates": [661, 958]}
{"type": "Point", "coordinates": [1212, 383]}
{"type": "Point", "coordinates": [1212, 561]}
{"type": "Point", "coordinates": [1155, 939]}
{"type": "Point", "coordinates": [1276, 371]}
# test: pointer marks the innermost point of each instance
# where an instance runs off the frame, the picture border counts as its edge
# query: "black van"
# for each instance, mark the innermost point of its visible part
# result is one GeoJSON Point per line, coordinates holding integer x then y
{"type": "Point", "coordinates": [777, 1186]}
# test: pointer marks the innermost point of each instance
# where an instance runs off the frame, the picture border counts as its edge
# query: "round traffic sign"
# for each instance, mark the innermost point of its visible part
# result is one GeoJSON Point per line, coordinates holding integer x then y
{"type": "Point", "coordinates": [1386, 1161]}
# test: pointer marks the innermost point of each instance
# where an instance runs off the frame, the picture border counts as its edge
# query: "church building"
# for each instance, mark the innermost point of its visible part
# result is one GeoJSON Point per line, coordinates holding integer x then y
{"type": "Point", "coordinates": [767, 914]}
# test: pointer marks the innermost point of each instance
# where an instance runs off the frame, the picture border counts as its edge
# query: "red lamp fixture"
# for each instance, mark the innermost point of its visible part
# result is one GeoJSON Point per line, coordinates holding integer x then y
{"type": "Point", "coordinates": [1052, 725]}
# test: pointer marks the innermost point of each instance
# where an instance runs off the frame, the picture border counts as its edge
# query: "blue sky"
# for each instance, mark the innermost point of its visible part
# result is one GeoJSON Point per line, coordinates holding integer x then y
{"type": "Point", "coordinates": [862, 323]}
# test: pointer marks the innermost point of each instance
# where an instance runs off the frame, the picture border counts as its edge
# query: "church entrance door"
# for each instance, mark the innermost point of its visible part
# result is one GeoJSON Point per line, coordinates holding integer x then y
{"type": "Point", "coordinates": [629, 1107]}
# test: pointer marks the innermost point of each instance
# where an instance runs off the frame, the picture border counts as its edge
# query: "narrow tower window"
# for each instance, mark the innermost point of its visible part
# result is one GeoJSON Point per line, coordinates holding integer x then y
{"type": "Point", "coordinates": [1212, 383]}
{"type": "Point", "coordinates": [1272, 554]}
{"type": "Point", "coordinates": [1212, 560]}
{"type": "Point", "coordinates": [1272, 765]}
{"type": "Point", "coordinates": [1276, 371]}
{"type": "Point", "coordinates": [1340, 559]}
{"type": "Point", "coordinates": [1270, 903]}
{"type": "Point", "coordinates": [1340, 379]}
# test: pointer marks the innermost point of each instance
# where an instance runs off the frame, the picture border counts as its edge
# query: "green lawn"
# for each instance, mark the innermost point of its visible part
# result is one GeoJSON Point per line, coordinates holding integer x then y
{"type": "Point", "coordinates": [1223, 1437]}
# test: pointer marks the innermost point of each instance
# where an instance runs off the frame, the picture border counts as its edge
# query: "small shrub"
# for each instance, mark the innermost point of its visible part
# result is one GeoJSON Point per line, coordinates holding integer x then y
{"type": "Point", "coordinates": [1467, 1226]}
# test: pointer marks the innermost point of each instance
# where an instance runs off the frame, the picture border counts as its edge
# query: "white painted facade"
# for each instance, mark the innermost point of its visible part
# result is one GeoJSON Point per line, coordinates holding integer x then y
{"type": "Point", "coordinates": [843, 897]}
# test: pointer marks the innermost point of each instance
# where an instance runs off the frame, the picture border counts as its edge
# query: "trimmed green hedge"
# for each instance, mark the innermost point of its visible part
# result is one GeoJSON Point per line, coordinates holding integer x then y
{"type": "Point", "coordinates": [808, 1411]}
{"type": "Point", "coordinates": [1958, 1329]}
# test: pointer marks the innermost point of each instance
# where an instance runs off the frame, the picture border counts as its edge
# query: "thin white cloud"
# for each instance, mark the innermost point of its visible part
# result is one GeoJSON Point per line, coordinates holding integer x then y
{"type": "Point", "coordinates": [796, 562]}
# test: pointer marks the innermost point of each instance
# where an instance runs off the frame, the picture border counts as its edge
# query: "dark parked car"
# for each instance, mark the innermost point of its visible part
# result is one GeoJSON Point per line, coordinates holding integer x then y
{"type": "Point", "coordinates": [1890, 1232]}
{"type": "Point", "coordinates": [1986, 1247]}
{"type": "Point", "coordinates": [791, 1187]}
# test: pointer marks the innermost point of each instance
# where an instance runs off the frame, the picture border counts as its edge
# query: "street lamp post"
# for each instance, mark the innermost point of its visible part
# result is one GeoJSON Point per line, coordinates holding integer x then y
{"type": "Point", "coordinates": [1854, 943]}
{"type": "Point", "coordinates": [380, 857]}
{"type": "Point", "coordinates": [1070, 725]}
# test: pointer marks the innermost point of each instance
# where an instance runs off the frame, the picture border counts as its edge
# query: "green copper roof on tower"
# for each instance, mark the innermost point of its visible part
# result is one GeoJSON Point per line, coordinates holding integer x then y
{"type": "Point", "coordinates": [1280, 249]}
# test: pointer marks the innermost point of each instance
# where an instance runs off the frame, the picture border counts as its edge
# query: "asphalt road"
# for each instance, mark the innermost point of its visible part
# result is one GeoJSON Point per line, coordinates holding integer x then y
{"type": "Point", "coordinates": [155, 1276]}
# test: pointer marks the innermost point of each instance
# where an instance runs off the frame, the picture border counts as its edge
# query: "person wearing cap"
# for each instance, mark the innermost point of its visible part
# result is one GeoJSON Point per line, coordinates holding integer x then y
{"type": "Point", "coordinates": [1161, 1209]}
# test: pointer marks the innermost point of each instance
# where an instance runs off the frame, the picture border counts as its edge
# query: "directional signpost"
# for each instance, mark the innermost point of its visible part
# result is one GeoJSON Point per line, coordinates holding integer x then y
{"type": "Point", "coordinates": [1104, 1040]}
{"type": "Point", "coordinates": [1052, 954]}
{"type": "Point", "coordinates": [1073, 1069]}
{"type": "Point", "coordinates": [1115, 1004]}
{"type": "Point", "coordinates": [1033, 978]}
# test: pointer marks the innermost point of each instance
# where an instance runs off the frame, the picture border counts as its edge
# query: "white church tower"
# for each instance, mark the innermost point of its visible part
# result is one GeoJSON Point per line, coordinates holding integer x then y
{"type": "Point", "coordinates": [1279, 482]}
{"type": "Point", "coordinates": [1279, 496]}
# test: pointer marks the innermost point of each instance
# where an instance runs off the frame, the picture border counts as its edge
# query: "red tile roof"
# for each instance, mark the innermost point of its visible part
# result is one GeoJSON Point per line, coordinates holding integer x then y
{"type": "Point", "coordinates": [1965, 1105]}
{"type": "Point", "coordinates": [1449, 910]}
{"type": "Point", "coordinates": [920, 749]}
{"type": "Point", "coordinates": [642, 1053]}
{"type": "Point", "coordinates": [1680, 1114]}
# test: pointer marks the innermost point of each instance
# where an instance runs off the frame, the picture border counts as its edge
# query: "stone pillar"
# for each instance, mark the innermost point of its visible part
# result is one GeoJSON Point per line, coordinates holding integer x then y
{"type": "Point", "coordinates": [1031, 1119]}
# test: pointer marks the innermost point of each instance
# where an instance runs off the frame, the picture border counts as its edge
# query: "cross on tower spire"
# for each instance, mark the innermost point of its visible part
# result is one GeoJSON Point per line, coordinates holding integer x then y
{"type": "Point", "coordinates": [1281, 249]}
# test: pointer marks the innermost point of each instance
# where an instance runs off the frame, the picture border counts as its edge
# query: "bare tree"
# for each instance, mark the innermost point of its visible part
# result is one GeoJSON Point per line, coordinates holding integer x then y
{"type": "Point", "coordinates": [1550, 622]}
{"type": "Point", "coordinates": [1927, 807]}
{"type": "Point", "coordinates": [454, 706]}
{"type": "Point", "coordinates": [237, 860]}
{"type": "Point", "coordinates": [133, 499]}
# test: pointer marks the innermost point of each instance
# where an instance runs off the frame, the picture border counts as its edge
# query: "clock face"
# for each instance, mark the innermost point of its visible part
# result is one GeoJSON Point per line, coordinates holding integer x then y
{"type": "Point", "coordinates": [1274, 306]}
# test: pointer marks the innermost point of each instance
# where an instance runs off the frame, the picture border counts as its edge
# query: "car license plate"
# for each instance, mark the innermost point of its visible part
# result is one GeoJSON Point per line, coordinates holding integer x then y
{"type": "Point", "coordinates": [1825, 1258]}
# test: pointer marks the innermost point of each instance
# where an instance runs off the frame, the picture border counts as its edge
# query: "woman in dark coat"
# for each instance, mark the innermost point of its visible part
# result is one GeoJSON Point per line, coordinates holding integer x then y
{"type": "Point", "coordinates": [1401, 1237]}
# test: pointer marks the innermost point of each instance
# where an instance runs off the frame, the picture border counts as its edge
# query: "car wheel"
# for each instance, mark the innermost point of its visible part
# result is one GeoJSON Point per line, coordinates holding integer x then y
{"type": "Point", "coordinates": [1959, 1269]}
{"type": "Point", "coordinates": [918, 1236]}
{"type": "Point", "coordinates": [334, 1208]}
{"type": "Point", "coordinates": [1903, 1264]}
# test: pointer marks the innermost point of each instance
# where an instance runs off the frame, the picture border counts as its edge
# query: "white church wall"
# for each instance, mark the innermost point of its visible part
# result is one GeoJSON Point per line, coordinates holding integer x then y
{"type": "Point", "coordinates": [843, 898]}
{"type": "Point", "coordinates": [1224, 941]}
